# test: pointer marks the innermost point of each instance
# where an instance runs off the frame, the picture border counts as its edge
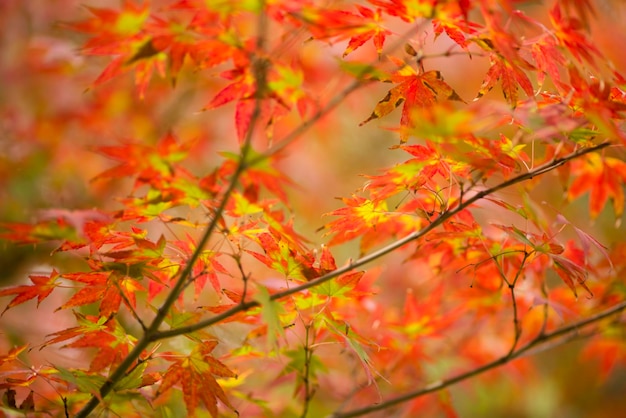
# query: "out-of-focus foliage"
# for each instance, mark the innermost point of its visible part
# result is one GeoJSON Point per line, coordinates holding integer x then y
{"type": "Point", "coordinates": [297, 208]}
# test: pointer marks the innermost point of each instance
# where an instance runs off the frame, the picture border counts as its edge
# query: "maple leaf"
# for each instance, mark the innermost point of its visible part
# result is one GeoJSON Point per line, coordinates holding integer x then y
{"type": "Point", "coordinates": [281, 257]}
{"type": "Point", "coordinates": [371, 220]}
{"type": "Point", "coordinates": [491, 155]}
{"type": "Point", "coordinates": [352, 340]}
{"type": "Point", "coordinates": [510, 76]}
{"type": "Point", "coordinates": [451, 18]}
{"type": "Point", "coordinates": [43, 231]}
{"type": "Point", "coordinates": [569, 262]}
{"type": "Point", "coordinates": [326, 23]}
{"type": "Point", "coordinates": [421, 319]}
{"type": "Point", "coordinates": [111, 23]}
{"type": "Point", "coordinates": [359, 216]}
{"type": "Point", "coordinates": [603, 177]}
{"type": "Point", "coordinates": [372, 31]}
{"type": "Point", "coordinates": [12, 355]}
{"type": "Point", "coordinates": [414, 90]}
{"type": "Point", "coordinates": [548, 58]}
{"type": "Point", "coordinates": [341, 286]}
{"type": "Point", "coordinates": [199, 40]}
{"type": "Point", "coordinates": [253, 79]}
{"type": "Point", "coordinates": [568, 32]}
{"type": "Point", "coordinates": [410, 175]}
{"type": "Point", "coordinates": [414, 10]}
{"type": "Point", "coordinates": [598, 101]}
{"type": "Point", "coordinates": [122, 34]}
{"type": "Point", "coordinates": [271, 313]}
{"type": "Point", "coordinates": [105, 287]}
{"type": "Point", "coordinates": [41, 288]}
{"type": "Point", "coordinates": [104, 334]}
{"type": "Point", "coordinates": [206, 267]}
{"type": "Point", "coordinates": [541, 243]}
{"type": "Point", "coordinates": [196, 374]}
{"type": "Point", "coordinates": [572, 268]}
{"type": "Point", "coordinates": [151, 164]}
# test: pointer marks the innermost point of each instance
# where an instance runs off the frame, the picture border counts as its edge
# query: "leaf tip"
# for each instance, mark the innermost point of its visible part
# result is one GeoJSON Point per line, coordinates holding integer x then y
{"type": "Point", "coordinates": [372, 117]}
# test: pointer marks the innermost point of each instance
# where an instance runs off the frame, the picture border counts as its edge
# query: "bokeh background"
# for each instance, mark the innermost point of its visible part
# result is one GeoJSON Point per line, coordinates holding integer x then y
{"type": "Point", "coordinates": [51, 120]}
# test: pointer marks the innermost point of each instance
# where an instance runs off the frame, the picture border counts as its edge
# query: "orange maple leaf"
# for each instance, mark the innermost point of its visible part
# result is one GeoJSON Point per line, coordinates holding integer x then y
{"type": "Point", "coordinates": [548, 59]}
{"type": "Point", "coordinates": [414, 90]}
{"type": "Point", "coordinates": [373, 31]}
{"type": "Point", "coordinates": [371, 220]}
{"type": "Point", "coordinates": [568, 31]}
{"type": "Point", "coordinates": [101, 333]}
{"type": "Point", "coordinates": [603, 177]}
{"type": "Point", "coordinates": [510, 76]}
{"type": "Point", "coordinates": [196, 374]}
{"type": "Point", "coordinates": [451, 18]}
{"type": "Point", "coordinates": [41, 288]}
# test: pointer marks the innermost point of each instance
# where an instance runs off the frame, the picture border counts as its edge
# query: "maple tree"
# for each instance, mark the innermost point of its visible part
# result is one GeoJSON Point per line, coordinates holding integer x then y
{"type": "Point", "coordinates": [172, 240]}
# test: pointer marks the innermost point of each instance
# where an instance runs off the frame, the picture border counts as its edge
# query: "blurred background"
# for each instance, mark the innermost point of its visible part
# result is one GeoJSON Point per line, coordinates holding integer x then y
{"type": "Point", "coordinates": [51, 120]}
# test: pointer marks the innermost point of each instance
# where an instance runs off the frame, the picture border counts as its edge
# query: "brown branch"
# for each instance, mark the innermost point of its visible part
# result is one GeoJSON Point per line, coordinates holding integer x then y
{"type": "Point", "coordinates": [260, 71]}
{"type": "Point", "coordinates": [540, 340]}
{"type": "Point", "coordinates": [542, 169]}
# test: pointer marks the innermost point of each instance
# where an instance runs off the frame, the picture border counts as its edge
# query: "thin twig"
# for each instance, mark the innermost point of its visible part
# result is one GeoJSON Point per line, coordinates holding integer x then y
{"type": "Point", "coordinates": [306, 375]}
{"type": "Point", "coordinates": [517, 329]}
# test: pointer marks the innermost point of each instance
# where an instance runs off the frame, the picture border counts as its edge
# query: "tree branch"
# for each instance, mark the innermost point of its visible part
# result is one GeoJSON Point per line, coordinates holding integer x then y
{"type": "Point", "coordinates": [260, 70]}
{"type": "Point", "coordinates": [541, 339]}
{"type": "Point", "coordinates": [542, 169]}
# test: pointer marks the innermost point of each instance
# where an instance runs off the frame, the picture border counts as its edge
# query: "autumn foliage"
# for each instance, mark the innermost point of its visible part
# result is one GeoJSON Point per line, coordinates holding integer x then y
{"type": "Point", "coordinates": [304, 208]}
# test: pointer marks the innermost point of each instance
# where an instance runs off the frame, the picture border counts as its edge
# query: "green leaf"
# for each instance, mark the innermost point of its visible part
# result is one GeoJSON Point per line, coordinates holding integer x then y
{"type": "Point", "coordinates": [134, 379]}
{"type": "Point", "coordinates": [297, 364]}
{"type": "Point", "coordinates": [270, 312]}
{"type": "Point", "coordinates": [86, 383]}
{"type": "Point", "coordinates": [518, 234]}
{"type": "Point", "coordinates": [361, 71]}
{"type": "Point", "coordinates": [339, 286]}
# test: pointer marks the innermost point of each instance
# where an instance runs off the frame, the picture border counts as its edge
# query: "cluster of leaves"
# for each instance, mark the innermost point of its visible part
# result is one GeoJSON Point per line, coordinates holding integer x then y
{"type": "Point", "coordinates": [198, 291]}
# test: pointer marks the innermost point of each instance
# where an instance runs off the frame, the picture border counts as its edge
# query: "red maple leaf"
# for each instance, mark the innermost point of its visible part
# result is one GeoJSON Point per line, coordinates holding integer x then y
{"type": "Point", "coordinates": [597, 101]}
